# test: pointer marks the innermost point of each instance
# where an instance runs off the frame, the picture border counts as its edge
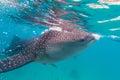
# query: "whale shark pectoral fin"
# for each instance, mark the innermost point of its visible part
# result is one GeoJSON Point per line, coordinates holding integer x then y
{"type": "Point", "coordinates": [15, 61]}
{"type": "Point", "coordinates": [53, 65]}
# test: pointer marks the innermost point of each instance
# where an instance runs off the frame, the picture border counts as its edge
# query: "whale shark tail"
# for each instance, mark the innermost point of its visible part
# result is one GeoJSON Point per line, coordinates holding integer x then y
{"type": "Point", "coordinates": [15, 61]}
{"type": "Point", "coordinates": [17, 54]}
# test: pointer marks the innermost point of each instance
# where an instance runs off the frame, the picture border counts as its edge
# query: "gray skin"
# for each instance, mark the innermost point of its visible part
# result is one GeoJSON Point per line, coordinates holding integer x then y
{"type": "Point", "coordinates": [51, 47]}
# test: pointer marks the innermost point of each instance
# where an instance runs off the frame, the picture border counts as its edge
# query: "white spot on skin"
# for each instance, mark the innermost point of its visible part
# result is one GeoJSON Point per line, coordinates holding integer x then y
{"type": "Point", "coordinates": [4, 65]}
{"type": "Point", "coordinates": [66, 31]}
{"type": "Point", "coordinates": [9, 66]}
{"type": "Point", "coordinates": [9, 63]}
{"type": "Point", "coordinates": [1, 61]}
{"type": "Point", "coordinates": [0, 70]}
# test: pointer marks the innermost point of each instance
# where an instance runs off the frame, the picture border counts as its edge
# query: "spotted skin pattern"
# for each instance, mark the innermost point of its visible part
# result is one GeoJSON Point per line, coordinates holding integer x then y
{"type": "Point", "coordinates": [14, 61]}
{"type": "Point", "coordinates": [51, 47]}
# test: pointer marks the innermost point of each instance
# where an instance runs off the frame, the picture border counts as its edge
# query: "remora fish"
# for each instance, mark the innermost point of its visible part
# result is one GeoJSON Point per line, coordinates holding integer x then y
{"type": "Point", "coordinates": [51, 47]}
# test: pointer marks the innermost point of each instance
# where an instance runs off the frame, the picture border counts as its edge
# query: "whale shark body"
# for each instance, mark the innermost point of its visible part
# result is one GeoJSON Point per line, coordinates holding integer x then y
{"type": "Point", "coordinates": [50, 47]}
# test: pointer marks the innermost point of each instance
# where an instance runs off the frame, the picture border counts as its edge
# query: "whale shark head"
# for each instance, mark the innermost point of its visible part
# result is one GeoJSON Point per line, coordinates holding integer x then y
{"type": "Point", "coordinates": [62, 44]}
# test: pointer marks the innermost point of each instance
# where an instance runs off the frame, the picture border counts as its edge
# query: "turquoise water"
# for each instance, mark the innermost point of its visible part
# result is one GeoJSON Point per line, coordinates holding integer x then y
{"type": "Point", "coordinates": [100, 61]}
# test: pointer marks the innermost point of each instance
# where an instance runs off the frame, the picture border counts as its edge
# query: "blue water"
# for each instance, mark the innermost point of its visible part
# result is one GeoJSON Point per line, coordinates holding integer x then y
{"type": "Point", "coordinates": [100, 61]}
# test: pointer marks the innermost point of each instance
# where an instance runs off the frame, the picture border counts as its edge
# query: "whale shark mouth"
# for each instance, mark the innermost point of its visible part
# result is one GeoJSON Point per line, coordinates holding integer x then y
{"type": "Point", "coordinates": [90, 38]}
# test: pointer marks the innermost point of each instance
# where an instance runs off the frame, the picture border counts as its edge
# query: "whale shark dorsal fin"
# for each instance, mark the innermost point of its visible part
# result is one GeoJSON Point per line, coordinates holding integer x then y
{"type": "Point", "coordinates": [13, 46]}
{"type": "Point", "coordinates": [15, 41]}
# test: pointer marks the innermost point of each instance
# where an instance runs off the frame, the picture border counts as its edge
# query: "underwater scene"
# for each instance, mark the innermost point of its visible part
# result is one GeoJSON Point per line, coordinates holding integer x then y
{"type": "Point", "coordinates": [59, 39]}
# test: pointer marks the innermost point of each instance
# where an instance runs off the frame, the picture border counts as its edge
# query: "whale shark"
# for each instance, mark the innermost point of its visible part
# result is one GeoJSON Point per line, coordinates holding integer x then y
{"type": "Point", "coordinates": [52, 46]}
